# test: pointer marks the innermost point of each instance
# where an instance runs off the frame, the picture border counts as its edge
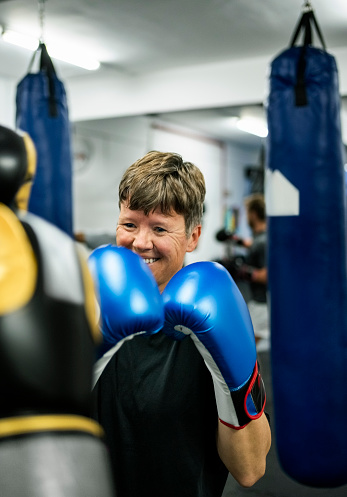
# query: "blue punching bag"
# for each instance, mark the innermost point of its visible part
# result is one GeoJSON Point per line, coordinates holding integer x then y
{"type": "Point", "coordinates": [307, 262]}
{"type": "Point", "coordinates": [42, 112]}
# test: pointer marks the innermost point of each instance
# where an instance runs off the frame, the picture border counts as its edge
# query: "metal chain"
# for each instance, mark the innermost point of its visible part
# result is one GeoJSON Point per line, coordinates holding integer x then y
{"type": "Point", "coordinates": [42, 18]}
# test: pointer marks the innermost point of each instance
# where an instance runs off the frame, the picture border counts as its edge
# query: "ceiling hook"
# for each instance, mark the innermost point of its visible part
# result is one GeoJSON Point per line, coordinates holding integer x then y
{"type": "Point", "coordinates": [307, 7]}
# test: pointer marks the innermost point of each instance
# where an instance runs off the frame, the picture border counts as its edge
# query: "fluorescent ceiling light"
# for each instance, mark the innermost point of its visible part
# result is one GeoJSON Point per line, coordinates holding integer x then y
{"type": "Point", "coordinates": [56, 52]}
{"type": "Point", "coordinates": [252, 125]}
{"type": "Point", "coordinates": [73, 57]}
{"type": "Point", "coordinates": [20, 40]}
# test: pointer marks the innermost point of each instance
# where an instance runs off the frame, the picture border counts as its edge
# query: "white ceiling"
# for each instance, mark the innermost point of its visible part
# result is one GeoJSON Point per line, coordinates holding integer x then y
{"type": "Point", "coordinates": [143, 35]}
{"type": "Point", "coordinates": [136, 37]}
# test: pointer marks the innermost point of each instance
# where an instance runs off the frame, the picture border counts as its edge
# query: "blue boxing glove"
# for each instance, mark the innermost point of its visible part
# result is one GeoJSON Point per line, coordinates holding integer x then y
{"type": "Point", "coordinates": [128, 296]}
{"type": "Point", "coordinates": [203, 301]}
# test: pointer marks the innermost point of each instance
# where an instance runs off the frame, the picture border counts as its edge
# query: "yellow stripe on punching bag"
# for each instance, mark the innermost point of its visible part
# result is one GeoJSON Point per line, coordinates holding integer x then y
{"type": "Point", "coordinates": [23, 195]}
{"type": "Point", "coordinates": [22, 425]}
{"type": "Point", "coordinates": [18, 267]}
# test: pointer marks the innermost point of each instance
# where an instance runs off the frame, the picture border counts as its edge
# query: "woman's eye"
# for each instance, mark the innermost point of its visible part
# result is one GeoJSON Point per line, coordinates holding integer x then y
{"type": "Point", "coordinates": [129, 225]}
{"type": "Point", "coordinates": [158, 229]}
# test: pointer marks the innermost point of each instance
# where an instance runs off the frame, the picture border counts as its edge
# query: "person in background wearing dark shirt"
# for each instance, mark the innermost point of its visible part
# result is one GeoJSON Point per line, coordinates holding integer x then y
{"type": "Point", "coordinates": [254, 269]}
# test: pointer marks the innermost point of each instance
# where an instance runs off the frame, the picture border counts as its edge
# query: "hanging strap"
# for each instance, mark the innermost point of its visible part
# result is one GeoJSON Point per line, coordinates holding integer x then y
{"type": "Point", "coordinates": [304, 24]}
{"type": "Point", "coordinates": [307, 19]}
{"type": "Point", "coordinates": [46, 66]}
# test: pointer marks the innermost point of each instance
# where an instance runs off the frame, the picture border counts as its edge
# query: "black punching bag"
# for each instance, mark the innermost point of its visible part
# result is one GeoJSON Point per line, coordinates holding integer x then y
{"type": "Point", "coordinates": [307, 262]}
{"type": "Point", "coordinates": [43, 113]}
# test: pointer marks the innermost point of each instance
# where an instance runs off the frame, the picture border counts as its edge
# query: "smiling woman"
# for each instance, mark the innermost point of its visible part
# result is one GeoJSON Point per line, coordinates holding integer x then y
{"type": "Point", "coordinates": [154, 396]}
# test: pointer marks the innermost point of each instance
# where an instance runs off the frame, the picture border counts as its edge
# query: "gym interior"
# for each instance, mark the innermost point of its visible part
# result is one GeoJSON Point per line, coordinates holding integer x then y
{"type": "Point", "coordinates": [190, 77]}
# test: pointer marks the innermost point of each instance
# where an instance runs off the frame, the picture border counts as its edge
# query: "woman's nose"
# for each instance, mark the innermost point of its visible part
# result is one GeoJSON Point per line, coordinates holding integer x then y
{"type": "Point", "coordinates": [143, 240]}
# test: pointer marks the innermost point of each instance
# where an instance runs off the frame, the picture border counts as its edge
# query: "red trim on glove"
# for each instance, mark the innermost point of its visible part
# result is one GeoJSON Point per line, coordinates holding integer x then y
{"type": "Point", "coordinates": [255, 376]}
{"type": "Point", "coordinates": [234, 427]}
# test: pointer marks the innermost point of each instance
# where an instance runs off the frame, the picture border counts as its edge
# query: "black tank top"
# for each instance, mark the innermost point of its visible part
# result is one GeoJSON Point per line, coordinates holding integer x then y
{"type": "Point", "coordinates": [155, 401]}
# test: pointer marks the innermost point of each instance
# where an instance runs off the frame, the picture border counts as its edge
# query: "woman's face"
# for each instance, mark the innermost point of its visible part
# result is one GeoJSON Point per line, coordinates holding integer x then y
{"type": "Point", "coordinates": [158, 238]}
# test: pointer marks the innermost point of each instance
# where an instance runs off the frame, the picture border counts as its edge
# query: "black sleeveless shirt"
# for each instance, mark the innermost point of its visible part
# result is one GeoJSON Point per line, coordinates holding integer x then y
{"type": "Point", "coordinates": [156, 403]}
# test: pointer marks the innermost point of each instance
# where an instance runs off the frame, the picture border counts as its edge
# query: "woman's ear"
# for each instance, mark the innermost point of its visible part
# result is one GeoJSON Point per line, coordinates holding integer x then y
{"type": "Point", "coordinates": [194, 238]}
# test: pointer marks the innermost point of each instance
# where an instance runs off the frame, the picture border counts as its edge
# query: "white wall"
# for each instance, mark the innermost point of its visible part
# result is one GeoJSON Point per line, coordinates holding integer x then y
{"type": "Point", "coordinates": [7, 102]}
{"type": "Point", "coordinates": [109, 151]}
{"type": "Point", "coordinates": [239, 159]}
{"type": "Point", "coordinates": [200, 86]}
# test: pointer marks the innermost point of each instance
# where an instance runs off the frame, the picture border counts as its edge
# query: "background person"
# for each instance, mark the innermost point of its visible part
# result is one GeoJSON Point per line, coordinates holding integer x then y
{"type": "Point", "coordinates": [246, 261]}
{"type": "Point", "coordinates": [254, 269]}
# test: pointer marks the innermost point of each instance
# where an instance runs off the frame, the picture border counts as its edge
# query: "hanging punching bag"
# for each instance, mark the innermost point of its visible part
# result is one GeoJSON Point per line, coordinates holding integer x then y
{"type": "Point", "coordinates": [307, 262]}
{"type": "Point", "coordinates": [42, 112]}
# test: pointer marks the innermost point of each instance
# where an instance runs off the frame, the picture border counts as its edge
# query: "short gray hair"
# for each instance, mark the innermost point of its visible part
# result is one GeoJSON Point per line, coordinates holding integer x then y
{"type": "Point", "coordinates": [164, 180]}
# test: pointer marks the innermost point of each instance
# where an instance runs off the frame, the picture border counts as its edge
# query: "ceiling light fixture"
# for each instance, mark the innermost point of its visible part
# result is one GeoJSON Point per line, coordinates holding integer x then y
{"type": "Point", "coordinates": [252, 125]}
{"type": "Point", "coordinates": [56, 52]}
{"type": "Point", "coordinates": [20, 40]}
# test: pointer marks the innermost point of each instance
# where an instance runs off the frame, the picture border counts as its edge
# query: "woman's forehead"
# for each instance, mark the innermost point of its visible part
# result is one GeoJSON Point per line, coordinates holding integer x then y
{"type": "Point", "coordinates": [156, 215]}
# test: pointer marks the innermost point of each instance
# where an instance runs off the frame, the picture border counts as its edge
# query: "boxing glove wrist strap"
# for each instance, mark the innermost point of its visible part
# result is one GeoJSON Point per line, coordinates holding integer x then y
{"type": "Point", "coordinates": [236, 407]}
{"type": "Point", "coordinates": [246, 403]}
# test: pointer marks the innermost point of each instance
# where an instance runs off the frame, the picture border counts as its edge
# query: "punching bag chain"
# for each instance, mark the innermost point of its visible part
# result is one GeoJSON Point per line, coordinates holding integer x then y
{"type": "Point", "coordinates": [42, 15]}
